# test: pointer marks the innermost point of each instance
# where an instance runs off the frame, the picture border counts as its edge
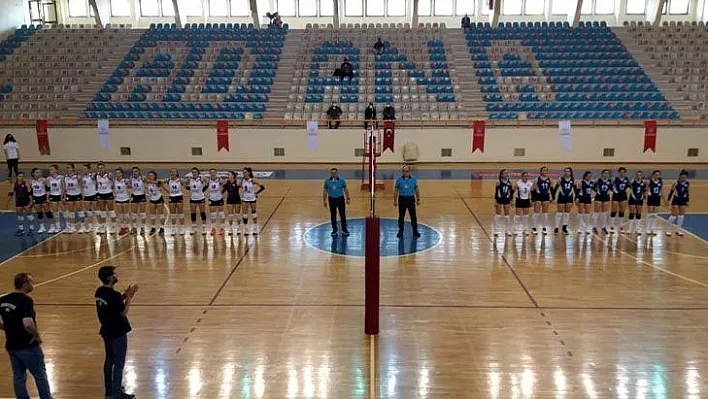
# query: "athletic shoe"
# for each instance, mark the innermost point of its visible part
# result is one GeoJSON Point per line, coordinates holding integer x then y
{"type": "Point", "coordinates": [555, 231]}
{"type": "Point", "coordinates": [254, 230]}
{"type": "Point", "coordinates": [152, 231]}
{"type": "Point", "coordinates": [534, 231]}
{"type": "Point", "coordinates": [52, 229]}
{"type": "Point", "coordinates": [345, 233]}
{"type": "Point", "coordinates": [30, 232]}
{"type": "Point", "coordinates": [680, 234]}
{"type": "Point", "coordinates": [142, 230]}
{"type": "Point", "coordinates": [416, 234]}
{"type": "Point", "coordinates": [231, 231]}
{"type": "Point", "coordinates": [594, 230]}
{"type": "Point", "coordinates": [161, 231]}
{"type": "Point", "coordinates": [508, 233]}
{"type": "Point", "coordinates": [400, 234]}
{"type": "Point", "coordinates": [181, 231]}
{"type": "Point", "coordinates": [589, 232]}
{"type": "Point", "coordinates": [495, 235]}
{"type": "Point", "coordinates": [565, 229]}
{"type": "Point", "coordinates": [621, 230]}
{"type": "Point", "coordinates": [133, 230]}
{"type": "Point", "coordinates": [334, 233]}
{"type": "Point", "coordinates": [545, 232]}
{"type": "Point", "coordinates": [193, 231]}
{"type": "Point", "coordinates": [43, 230]}
{"type": "Point", "coordinates": [123, 231]}
{"type": "Point", "coordinates": [213, 231]}
{"type": "Point", "coordinates": [604, 231]}
{"type": "Point", "coordinates": [668, 233]}
{"type": "Point", "coordinates": [20, 232]}
{"type": "Point", "coordinates": [82, 229]}
{"type": "Point", "coordinates": [221, 231]}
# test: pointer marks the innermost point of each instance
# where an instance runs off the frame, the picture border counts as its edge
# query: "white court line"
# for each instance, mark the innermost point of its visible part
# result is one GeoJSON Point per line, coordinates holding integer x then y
{"type": "Point", "coordinates": [373, 370]}
{"type": "Point", "coordinates": [683, 229]}
{"type": "Point", "coordinates": [30, 248]}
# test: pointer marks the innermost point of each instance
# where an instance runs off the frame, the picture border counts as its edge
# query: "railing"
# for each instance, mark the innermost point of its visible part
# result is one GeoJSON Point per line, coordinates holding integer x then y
{"type": "Point", "coordinates": [270, 123]}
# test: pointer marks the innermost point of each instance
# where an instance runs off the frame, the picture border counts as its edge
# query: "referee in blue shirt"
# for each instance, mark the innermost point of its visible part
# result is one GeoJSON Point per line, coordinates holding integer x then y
{"type": "Point", "coordinates": [406, 192]}
{"type": "Point", "coordinates": [335, 189]}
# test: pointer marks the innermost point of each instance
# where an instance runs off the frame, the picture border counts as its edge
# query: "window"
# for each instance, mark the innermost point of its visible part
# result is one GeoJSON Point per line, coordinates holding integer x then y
{"type": "Point", "coordinates": [424, 8]}
{"type": "Point", "coordinates": [240, 8]}
{"type": "Point", "coordinates": [485, 8]}
{"type": "Point", "coordinates": [307, 8]}
{"type": "Point", "coordinates": [168, 9]}
{"type": "Point", "coordinates": [443, 7]}
{"type": "Point", "coordinates": [286, 8]}
{"type": "Point", "coordinates": [150, 8]}
{"type": "Point", "coordinates": [678, 7]}
{"type": "Point", "coordinates": [218, 8]}
{"type": "Point", "coordinates": [535, 7]}
{"type": "Point", "coordinates": [463, 7]}
{"type": "Point", "coordinates": [512, 7]}
{"type": "Point", "coordinates": [562, 7]}
{"type": "Point", "coordinates": [636, 6]}
{"type": "Point", "coordinates": [586, 8]}
{"type": "Point", "coordinates": [190, 8]}
{"type": "Point", "coordinates": [396, 8]}
{"type": "Point", "coordinates": [78, 8]}
{"type": "Point", "coordinates": [120, 8]}
{"type": "Point", "coordinates": [604, 7]}
{"type": "Point", "coordinates": [375, 8]}
{"type": "Point", "coordinates": [327, 8]}
{"type": "Point", "coordinates": [353, 8]}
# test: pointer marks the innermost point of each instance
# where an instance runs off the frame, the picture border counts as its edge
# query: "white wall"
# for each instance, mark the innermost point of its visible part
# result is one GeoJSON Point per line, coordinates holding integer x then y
{"type": "Point", "coordinates": [12, 15]}
{"type": "Point", "coordinates": [252, 146]}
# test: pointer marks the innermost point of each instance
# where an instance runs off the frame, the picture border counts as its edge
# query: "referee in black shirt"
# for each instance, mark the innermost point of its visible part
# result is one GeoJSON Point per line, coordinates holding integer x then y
{"type": "Point", "coordinates": [112, 308]}
{"type": "Point", "coordinates": [22, 338]}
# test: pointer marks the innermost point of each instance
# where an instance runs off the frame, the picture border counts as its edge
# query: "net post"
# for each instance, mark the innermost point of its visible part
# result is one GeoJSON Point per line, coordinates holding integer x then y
{"type": "Point", "coordinates": [371, 273]}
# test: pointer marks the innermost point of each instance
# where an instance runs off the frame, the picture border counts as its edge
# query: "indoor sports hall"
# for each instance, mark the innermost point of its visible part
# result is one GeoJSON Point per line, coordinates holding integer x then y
{"type": "Point", "coordinates": [548, 158]}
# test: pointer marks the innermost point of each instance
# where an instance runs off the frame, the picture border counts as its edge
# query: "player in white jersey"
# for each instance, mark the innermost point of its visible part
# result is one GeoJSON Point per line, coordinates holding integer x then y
{"type": "Point", "coordinates": [157, 204]}
{"type": "Point", "coordinates": [89, 190]}
{"type": "Point", "coordinates": [248, 199]}
{"type": "Point", "coordinates": [216, 202]}
{"type": "Point", "coordinates": [55, 181]}
{"type": "Point", "coordinates": [72, 188]}
{"type": "Point", "coordinates": [197, 185]}
{"type": "Point", "coordinates": [39, 198]}
{"type": "Point", "coordinates": [106, 200]}
{"type": "Point", "coordinates": [121, 190]}
{"type": "Point", "coordinates": [176, 202]}
{"type": "Point", "coordinates": [138, 199]}
{"type": "Point", "coordinates": [522, 204]}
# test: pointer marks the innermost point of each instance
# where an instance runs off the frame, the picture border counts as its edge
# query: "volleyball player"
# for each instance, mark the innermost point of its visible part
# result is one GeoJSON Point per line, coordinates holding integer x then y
{"type": "Point", "coordinates": [522, 204]}
{"type": "Point", "coordinates": [90, 195]}
{"type": "Point", "coordinates": [619, 200]}
{"type": "Point", "coordinates": [175, 200]}
{"type": "Point", "coordinates": [106, 200]}
{"type": "Point", "coordinates": [56, 198]}
{"type": "Point", "coordinates": [22, 191]}
{"type": "Point", "coordinates": [638, 189]}
{"type": "Point", "coordinates": [157, 203]}
{"type": "Point", "coordinates": [541, 198]}
{"type": "Point", "coordinates": [503, 193]}
{"type": "Point", "coordinates": [137, 201]}
{"type": "Point", "coordinates": [39, 200]}
{"type": "Point", "coordinates": [72, 187]}
{"type": "Point", "coordinates": [197, 186]}
{"type": "Point", "coordinates": [585, 189]}
{"type": "Point", "coordinates": [565, 188]}
{"type": "Point", "coordinates": [233, 202]}
{"type": "Point", "coordinates": [603, 187]}
{"type": "Point", "coordinates": [248, 198]}
{"type": "Point", "coordinates": [654, 200]}
{"type": "Point", "coordinates": [216, 203]}
{"type": "Point", "coordinates": [122, 200]}
{"type": "Point", "coordinates": [678, 196]}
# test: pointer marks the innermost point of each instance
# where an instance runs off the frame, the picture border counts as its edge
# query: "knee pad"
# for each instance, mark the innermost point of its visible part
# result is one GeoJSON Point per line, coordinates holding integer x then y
{"type": "Point", "coordinates": [143, 215]}
{"type": "Point", "coordinates": [81, 214]}
{"type": "Point", "coordinates": [245, 220]}
{"type": "Point", "coordinates": [202, 215]}
{"type": "Point", "coordinates": [112, 214]}
{"type": "Point", "coordinates": [193, 215]}
{"type": "Point", "coordinates": [254, 215]}
{"type": "Point", "coordinates": [49, 214]}
{"type": "Point", "coordinates": [613, 214]}
{"type": "Point", "coordinates": [67, 215]}
{"type": "Point", "coordinates": [621, 215]}
{"type": "Point", "coordinates": [222, 215]}
{"type": "Point", "coordinates": [40, 215]}
{"type": "Point", "coordinates": [631, 216]}
{"type": "Point", "coordinates": [638, 216]}
{"type": "Point", "coordinates": [88, 214]}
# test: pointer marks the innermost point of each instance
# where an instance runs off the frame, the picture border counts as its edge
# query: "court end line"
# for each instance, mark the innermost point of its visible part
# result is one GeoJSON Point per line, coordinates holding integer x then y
{"type": "Point", "coordinates": [17, 255]}
{"type": "Point", "coordinates": [506, 262]}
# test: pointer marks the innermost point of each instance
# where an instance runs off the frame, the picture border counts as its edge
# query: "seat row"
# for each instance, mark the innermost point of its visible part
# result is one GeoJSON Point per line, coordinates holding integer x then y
{"type": "Point", "coordinates": [171, 115]}
{"type": "Point", "coordinates": [177, 106]}
{"type": "Point", "coordinates": [176, 97]}
{"type": "Point", "coordinates": [578, 106]}
{"type": "Point", "coordinates": [378, 98]}
{"type": "Point", "coordinates": [588, 115]}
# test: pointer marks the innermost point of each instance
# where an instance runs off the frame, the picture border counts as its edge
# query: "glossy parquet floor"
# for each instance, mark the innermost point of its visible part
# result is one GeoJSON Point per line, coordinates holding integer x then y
{"type": "Point", "coordinates": [554, 317]}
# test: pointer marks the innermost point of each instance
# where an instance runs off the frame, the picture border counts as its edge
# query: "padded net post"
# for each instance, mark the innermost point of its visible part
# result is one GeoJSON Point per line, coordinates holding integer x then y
{"type": "Point", "coordinates": [371, 273]}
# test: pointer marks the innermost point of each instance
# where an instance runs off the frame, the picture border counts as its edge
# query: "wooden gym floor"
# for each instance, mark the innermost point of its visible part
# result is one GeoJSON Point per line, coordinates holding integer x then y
{"type": "Point", "coordinates": [560, 317]}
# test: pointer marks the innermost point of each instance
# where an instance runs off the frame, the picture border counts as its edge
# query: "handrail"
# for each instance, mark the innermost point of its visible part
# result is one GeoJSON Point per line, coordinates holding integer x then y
{"type": "Point", "coordinates": [269, 123]}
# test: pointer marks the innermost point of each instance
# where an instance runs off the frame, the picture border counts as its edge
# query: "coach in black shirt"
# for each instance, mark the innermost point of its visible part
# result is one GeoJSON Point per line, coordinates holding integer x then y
{"type": "Point", "coordinates": [112, 308]}
{"type": "Point", "coordinates": [22, 338]}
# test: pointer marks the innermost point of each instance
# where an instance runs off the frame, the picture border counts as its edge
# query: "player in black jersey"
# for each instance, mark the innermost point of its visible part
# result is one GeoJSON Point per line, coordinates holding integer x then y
{"type": "Point", "coordinates": [541, 198]}
{"type": "Point", "coordinates": [619, 199]}
{"type": "Point", "coordinates": [585, 189]}
{"type": "Point", "coordinates": [678, 197]}
{"type": "Point", "coordinates": [22, 191]}
{"type": "Point", "coordinates": [233, 203]}
{"type": "Point", "coordinates": [654, 200]}
{"type": "Point", "coordinates": [503, 193]}
{"type": "Point", "coordinates": [565, 187]}
{"type": "Point", "coordinates": [637, 192]}
{"type": "Point", "coordinates": [603, 188]}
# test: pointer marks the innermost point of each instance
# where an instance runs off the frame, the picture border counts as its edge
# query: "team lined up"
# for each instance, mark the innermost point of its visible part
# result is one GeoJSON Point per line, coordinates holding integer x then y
{"type": "Point", "coordinates": [596, 199]}
{"type": "Point", "coordinates": [106, 203]}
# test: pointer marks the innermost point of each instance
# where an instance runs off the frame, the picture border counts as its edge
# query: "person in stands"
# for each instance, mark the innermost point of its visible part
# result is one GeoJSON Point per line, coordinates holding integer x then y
{"type": "Point", "coordinates": [378, 46]}
{"type": "Point", "coordinates": [347, 69]}
{"type": "Point", "coordinates": [370, 116]}
{"type": "Point", "coordinates": [389, 113]}
{"type": "Point", "coordinates": [465, 23]}
{"type": "Point", "coordinates": [334, 113]}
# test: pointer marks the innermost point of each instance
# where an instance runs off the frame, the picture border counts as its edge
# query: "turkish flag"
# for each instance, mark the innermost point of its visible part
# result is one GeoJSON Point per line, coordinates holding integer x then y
{"type": "Point", "coordinates": [42, 136]}
{"type": "Point", "coordinates": [478, 129]}
{"type": "Point", "coordinates": [389, 135]}
{"type": "Point", "coordinates": [222, 135]}
{"type": "Point", "coordinates": [650, 136]}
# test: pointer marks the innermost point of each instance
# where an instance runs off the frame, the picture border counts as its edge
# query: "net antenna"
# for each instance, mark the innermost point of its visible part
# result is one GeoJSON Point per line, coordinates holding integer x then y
{"type": "Point", "coordinates": [373, 142]}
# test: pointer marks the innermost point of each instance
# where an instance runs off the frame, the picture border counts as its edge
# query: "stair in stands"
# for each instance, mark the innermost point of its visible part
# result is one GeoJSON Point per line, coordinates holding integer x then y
{"type": "Point", "coordinates": [471, 100]}
{"type": "Point", "coordinates": [286, 70]}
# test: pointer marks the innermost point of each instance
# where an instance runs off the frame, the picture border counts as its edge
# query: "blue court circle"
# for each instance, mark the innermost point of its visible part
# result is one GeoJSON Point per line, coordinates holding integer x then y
{"type": "Point", "coordinates": [320, 237]}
